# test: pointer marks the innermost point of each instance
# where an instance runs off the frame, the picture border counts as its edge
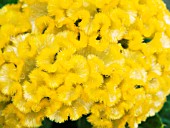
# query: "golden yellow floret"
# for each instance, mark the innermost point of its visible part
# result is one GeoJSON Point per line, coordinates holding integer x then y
{"type": "Point", "coordinates": [65, 59]}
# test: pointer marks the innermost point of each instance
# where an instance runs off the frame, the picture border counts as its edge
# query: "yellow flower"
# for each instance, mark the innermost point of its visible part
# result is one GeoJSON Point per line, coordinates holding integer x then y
{"type": "Point", "coordinates": [79, 70]}
{"type": "Point", "coordinates": [38, 83]}
{"type": "Point", "coordinates": [41, 40]}
{"type": "Point", "coordinates": [121, 17]}
{"type": "Point", "coordinates": [61, 39]}
{"type": "Point", "coordinates": [98, 117]}
{"type": "Point", "coordinates": [1, 58]}
{"type": "Point", "coordinates": [81, 106]}
{"type": "Point", "coordinates": [61, 59]}
{"type": "Point", "coordinates": [4, 98]}
{"type": "Point", "coordinates": [81, 19]}
{"type": "Point", "coordinates": [56, 8]}
{"type": "Point", "coordinates": [164, 59]}
{"type": "Point", "coordinates": [26, 120]}
{"type": "Point", "coordinates": [9, 84]}
{"type": "Point", "coordinates": [27, 48]}
{"type": "Point", "coordinates": [70, 92]}
{"type": "Point", "coordinates": [6, 33]}
{"type": "Point", "coordinates": [44, 24]}
{"type": "Point", "coordinates": [100, 3]}
{"type": "Point", "coordinates": [34, 10]}
{"type": "Point", "coordinates": [79, 40]}
{"type": "Point", "coordinates": [156, 45]}
{"type": "Point", "coordinates": [100, 23]}
{"type": "Point", "coordinates": [54, 80]}
{"type": "Point", "coordinates": [132, 4]}
{"type": "Point", "coordinates": [135, 40]}
{"type": "Point", "coordinates": [100, 43]}
{"type": "Point", "coordinates": [12, 119]}
{"type": "Point", "coordinates": [46, 60]}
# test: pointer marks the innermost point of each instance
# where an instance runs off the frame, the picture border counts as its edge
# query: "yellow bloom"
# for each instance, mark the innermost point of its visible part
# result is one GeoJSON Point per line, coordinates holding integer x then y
{"type": "Point", "coordinates": [25, 120]}
{"type": "Point", "coordinates": [69, 93]}
{"type": "Point", "coordinates": [79, 70]}
{"type": "Point", "coordinates": [27, 48]}
{"type": "Point", "coordinates": [61, 59]}
{"type": "Point", "coordinates": [1, 58]}
{"type": "Point", "coordinates": [100, 3]}
{"type": "Point", "coordinates": [35, 9]}
{"type": "Point", "coordinates": [44, 24]}
{"type": "Point", "coordinates": [100, 23]}
{"type": "Point", "coordinates": [81, 19]}
{"type": "Point", "coordinates": [54, 80]}
{"type": "Point", "coordinates": [81, 106]}
{"type": "Point", "coordinates": [47, 59]}
{"type": "Point", "coordinates": [5, 33]}
{"type": "Point", "coordinates": [135, 40]}
{"type": "Point", "coordinates": [79, 40]}
{"type": "Point", "coordinates": [11, 119]}
{"type": "Point", "coordinates": [121, 17]}
{"type": "Point", "coordinates": [98, 117]}
{"type": "Point", "coordinates": [41, 40]}
{"type": "Point", "coordinates": [132, 4]}
{"type": "Point", "coordinates": [100, 43]}
{"type": "Point", "coordinates": [56, 8]}
{"type": "Point", "coordinates": [61, 39]}
{"type": "Point", "coordinates": [164, 59]}
{"type": "Point", "coordinates": [39, 84]}
{"type": "Point", "coordinates": [156, 45]}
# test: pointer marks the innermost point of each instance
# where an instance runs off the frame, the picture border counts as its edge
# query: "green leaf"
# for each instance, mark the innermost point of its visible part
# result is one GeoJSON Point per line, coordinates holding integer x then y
{"type": "Point", "coordinates": [152, 122]}
{"type": "Point", "coordinates": [165, 113]}
{"type": "Point", "coordinates": [1, 5]}
{"type": "Point", "coordinates": [160, 120]}
{"type": "Point", "coordinates": [46, 123]}
{"type": "Point", "coordinates": [82, 123]}
{"type": "Point", "coordinates": [4, 2]}
{"type": "Point", "coordinates": [167, 3]}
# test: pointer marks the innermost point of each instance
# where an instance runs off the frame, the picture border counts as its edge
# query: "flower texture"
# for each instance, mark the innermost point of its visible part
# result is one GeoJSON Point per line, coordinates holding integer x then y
{"type": "Point", "coordinates": [64, 59]}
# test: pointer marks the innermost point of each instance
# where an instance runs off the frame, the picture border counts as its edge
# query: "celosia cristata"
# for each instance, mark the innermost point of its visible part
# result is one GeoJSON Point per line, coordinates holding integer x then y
{"type": "Point", "coordinates": [66, 58]}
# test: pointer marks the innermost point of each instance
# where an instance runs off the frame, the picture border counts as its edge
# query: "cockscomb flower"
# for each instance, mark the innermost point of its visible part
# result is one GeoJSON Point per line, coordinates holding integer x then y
{"type": "Point", "coordinates": [65, 59]}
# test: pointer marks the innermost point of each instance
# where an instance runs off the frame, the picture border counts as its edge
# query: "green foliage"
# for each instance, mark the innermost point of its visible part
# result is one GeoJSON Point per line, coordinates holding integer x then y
{"type": "Point", "coordinates": [82, 123]}
{"type": "Point", "coordinates": [3, 2]}
{"type": "Point", "coordinates": [160, 120]}
{"type": "Point", "coordinates": [167, 3]}
{"type": "Point", "coordinates": [152, 122]}
{"type": "Point", "coordinates": [46, 123]}
{"type": "Point", "coordinates": [165, 113]}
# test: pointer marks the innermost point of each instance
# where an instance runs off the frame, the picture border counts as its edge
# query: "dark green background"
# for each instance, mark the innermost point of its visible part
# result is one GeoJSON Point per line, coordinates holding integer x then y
{"type": "Point", "coordinates": [3, 2]}
{"type": "Point", "coordinates": [160, 120]}
{"type": "Point", "coordinates": [167, 3]}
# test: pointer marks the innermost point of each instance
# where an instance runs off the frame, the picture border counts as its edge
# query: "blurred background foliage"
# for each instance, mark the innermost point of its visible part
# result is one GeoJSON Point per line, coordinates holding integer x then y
{"type": "Point", "coordinates": [3, 2]}
{"type": "Point", "coordinates": [160, 120]}
{"type": "Point", "coordinates": [167, 3]}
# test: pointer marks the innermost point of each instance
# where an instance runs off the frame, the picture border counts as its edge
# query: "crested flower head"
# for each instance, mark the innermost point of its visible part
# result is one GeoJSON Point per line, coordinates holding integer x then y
{"type": "Point", "coordinates": [63, 59]}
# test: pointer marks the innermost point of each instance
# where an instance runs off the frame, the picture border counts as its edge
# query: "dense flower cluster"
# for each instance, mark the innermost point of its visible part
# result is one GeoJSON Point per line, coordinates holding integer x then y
{"type": "Point", "coordinates": [66, 58]}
